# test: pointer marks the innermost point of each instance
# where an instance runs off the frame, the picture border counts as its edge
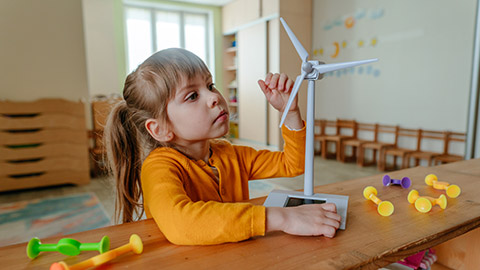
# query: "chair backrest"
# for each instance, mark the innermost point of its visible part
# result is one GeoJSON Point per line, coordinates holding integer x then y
{"type": "Point", "coordinates": [344, 124]}
{"type": "Point", "coordinates": [429, 135]}
{"type": "Point", "coordinates": [386, 130]}
{"type": "Point", "coordinates": [101, 107]}
{"type": "Point", "coordinates": [321, 126]}
{"type": "Point", "coordinates": [452, 137]}
{"type": "Point", "coordinates": [407, 132]}
{"type": "Point", "coordinates": [361, 128]}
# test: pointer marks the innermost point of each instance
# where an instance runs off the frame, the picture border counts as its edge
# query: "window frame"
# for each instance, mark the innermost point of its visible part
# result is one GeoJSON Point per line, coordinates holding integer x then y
{"type": "Point", "coordinates": [182, 10]}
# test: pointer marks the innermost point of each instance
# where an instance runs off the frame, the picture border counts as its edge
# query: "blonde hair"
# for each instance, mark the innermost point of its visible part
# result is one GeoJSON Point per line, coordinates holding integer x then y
{"type": "Point", "coordinates": [146, 93]}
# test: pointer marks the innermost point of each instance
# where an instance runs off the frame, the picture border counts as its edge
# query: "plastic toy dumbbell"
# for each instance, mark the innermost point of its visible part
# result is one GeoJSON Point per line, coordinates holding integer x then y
{"type": "Point", "coordinates": [66, 246]}
{"type": "Point", "coordinates": [385, 208]}
{"type": "Point", "coordinates": [135, 244]}
{"type": "Point", "coordinates": [405, 182]}
{"type": "Point", "coordinates": [452, 190]}
{"type": "Point", "coordinates": [424, 203]}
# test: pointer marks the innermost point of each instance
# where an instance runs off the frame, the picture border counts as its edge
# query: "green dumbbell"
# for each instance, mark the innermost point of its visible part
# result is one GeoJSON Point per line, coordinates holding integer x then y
{"type": "Point", "coordinates": [66, 246]}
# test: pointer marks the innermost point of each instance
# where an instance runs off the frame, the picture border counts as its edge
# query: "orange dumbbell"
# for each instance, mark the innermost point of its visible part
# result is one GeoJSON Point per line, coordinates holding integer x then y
{"type": "Point", "coordinates": [452, 190]}
{"type": "Point", "coordinates": [385, 208]}
{"type": "Point", "coordinates": [135, 244]}
{"type": "Point", "coordinates": [424, 203]}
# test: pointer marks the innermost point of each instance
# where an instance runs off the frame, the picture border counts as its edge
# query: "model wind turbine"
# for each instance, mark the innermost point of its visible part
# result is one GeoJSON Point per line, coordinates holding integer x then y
{"type": "Point", "coordinates": [311, 71]}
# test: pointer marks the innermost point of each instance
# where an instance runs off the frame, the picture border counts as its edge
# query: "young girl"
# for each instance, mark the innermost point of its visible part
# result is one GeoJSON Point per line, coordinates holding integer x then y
{"type": "Point", "coordinates": [164, 151]}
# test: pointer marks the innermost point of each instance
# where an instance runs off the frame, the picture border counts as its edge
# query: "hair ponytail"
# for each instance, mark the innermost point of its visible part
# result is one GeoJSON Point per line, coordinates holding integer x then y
{"type": "Point", "coordinates": [124, 158]}
{"type": "Point", "coordinates": [146, 94]}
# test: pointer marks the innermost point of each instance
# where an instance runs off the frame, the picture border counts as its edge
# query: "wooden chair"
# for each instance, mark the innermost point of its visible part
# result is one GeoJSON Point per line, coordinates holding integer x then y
{"type": "Point", "coordinates": [101, 107]}
{"type": "Point", "coordinates": [419, 154]}
{"type": "Point", "coordinates": [320, 131]}
{"type": "Point", "coordinates": [397, 151]}
{"type": "Point", "coordinates": [377, 146]}
{"type": "Point", "coordinates": [355, 143]}
{"type": "Point", "coordinates": [341, 126]}
{"type": "Point", "coordinates": [446, 157]}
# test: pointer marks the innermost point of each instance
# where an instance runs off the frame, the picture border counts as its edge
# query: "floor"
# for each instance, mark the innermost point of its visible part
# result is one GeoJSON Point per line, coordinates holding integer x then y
{"type": "Point", "coordinates": [102, 187]}
{"type": "Point", "coordinates": [326, 171]}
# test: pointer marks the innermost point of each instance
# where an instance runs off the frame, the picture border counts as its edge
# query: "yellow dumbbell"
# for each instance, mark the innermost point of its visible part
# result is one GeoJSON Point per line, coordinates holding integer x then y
{"type": "Point", "coordinates": [452, 190]}
{"type": "Point", "coordinates": [424, 203]}
{"type": "Point", "coordinates": [385, 208]}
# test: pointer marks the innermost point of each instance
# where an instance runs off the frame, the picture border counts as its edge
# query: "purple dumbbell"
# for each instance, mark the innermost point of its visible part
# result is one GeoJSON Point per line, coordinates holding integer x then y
{"type": "Point", "coordinates": [404, 182]}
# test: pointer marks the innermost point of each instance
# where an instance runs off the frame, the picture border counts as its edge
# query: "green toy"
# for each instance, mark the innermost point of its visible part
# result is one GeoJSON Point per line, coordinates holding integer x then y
{"type": "Point", "coordinates": [66, 246]}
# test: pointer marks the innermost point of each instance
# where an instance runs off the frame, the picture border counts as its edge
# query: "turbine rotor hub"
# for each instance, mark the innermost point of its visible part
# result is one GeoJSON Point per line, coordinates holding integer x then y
{"type": "Point", "coordinates": [307, 67]}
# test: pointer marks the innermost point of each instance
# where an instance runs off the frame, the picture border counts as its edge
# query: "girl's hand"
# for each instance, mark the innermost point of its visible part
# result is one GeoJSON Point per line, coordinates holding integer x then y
{"type": "Point", "coordinates": [307, 220]}
{"type": "Point", "coordinates": [277, 89]}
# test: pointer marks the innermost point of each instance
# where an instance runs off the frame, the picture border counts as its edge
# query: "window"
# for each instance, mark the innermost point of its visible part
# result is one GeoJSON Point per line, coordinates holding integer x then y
{"type": "Point", "coordinates": [152, 28]}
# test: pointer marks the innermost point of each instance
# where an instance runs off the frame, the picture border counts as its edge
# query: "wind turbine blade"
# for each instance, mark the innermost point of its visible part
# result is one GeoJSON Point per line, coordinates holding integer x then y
{"type": "Point", "coordinates": [294, 92]}
{"type": "Point", "coordinates": [324, 68]}
{"type": "Point", "coordinates": [298, 46]}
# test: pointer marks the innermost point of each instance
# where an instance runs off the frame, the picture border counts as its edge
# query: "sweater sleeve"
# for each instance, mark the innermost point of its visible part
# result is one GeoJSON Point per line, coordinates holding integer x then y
{"type": "Point", "coordinates": [185, 222]}
{"type": "Point", "coordinates": [288, 163]}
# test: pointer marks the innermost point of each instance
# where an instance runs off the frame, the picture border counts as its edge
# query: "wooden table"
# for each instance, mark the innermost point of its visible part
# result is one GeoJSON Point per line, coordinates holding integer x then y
{"type": "Point", "coordinates": [369, 241]}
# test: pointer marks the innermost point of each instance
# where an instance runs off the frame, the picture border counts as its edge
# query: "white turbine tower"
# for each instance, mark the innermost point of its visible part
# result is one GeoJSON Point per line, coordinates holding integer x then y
{"type": "Point", "coordinates": [311, 71]}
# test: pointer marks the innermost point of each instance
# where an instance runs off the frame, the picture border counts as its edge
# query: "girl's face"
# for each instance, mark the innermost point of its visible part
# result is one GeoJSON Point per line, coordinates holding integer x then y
{"type": "Point", "coordinates": [198, 111]}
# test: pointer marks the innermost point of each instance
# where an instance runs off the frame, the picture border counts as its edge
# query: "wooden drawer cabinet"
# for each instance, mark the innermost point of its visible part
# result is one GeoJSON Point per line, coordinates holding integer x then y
{"type": "Point", "coordinates": [42, 143]}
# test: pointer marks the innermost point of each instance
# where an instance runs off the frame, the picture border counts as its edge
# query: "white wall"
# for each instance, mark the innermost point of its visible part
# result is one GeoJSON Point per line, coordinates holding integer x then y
{"type": "Point", "coordinates": [42, 52]}
{"type": "Point", "coordinates": [101, 47]}
{"type": "Point", "coordinates": [423, 77]}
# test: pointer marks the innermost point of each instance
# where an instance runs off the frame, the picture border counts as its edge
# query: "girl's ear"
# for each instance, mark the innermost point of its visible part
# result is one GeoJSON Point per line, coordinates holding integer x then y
{"type": "Point", "coordinates": [158, 131]}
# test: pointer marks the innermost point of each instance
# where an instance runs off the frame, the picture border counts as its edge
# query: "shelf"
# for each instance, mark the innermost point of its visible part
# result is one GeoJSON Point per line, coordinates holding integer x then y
{"type": "Point", "coordinates": [231, 50]}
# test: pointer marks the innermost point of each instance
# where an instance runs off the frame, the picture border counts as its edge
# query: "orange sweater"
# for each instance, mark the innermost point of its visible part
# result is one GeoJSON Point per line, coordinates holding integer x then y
{"type": "Point", "coordinates": [191, 208]}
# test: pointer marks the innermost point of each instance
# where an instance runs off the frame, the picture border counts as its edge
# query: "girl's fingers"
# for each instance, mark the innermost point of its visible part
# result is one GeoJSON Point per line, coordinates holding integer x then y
{"type": "Point", "coordinates": [266, 91]}
{"type": "Point", "coordinates": [328, 231]}
{"type": "Point", "coordinates": [331, 207]}
{"type": "Point", "coordinates": [268, 78]}
{"type": "Point", "coordinates": [289, 86]}
{"type": "Point", "coordinates": [262, 85]}
{"type": "Point", "coordinates": [332, 222]}
{"type": "Point", "coordinates": [334, 216]}
{"type": "Point", "coordinates": [281, 82]}
{"type": "Point", "coordinates": [273, 81]}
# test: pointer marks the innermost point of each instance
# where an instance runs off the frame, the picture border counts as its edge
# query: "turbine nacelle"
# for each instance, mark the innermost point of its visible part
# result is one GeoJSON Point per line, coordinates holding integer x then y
{"type": "Point", "coordinates": [309, 68]}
